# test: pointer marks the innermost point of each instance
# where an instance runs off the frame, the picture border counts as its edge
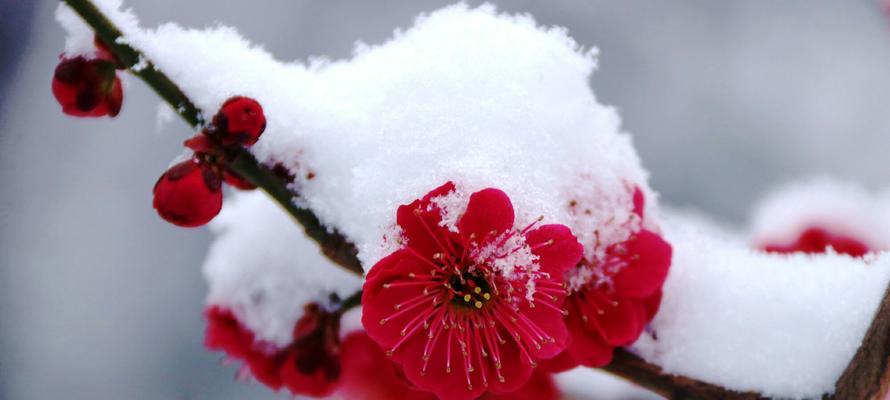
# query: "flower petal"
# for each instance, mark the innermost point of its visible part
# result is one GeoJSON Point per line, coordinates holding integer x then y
{"type": "Point", "coordinates": [447, 385]}
{"type": "Point", "coordinates": [420, 222]}
{"type": "Point", "coordinates": [489, 210]}
{"type": "Point", "coordinates": [515, 369]}
{"type": "Point", "coordinates": [552, 323]}
{"type": "Point", "coordinates": [540, 386]}
{"type": "Point", "coordinates": [639, 202]}
{"type": "Point", "coordinates": [368, 374]}
{"type": "Point", "coordinates": [586, 346]}
{"type": "Point", "coordinates": [561, 363]}
{"type": "Point", "coordinates": [619, 321]}
{"type": "Point", "coordinates": [318, 383]}
{"type": "Point", "coordinates": [560, 255]}
{"type": "Point", "coordinates": [651, 304]}
{"type": "Point", "coordinates": [649, 258]}
{"type": "Point", "coordinates": [380, 304]}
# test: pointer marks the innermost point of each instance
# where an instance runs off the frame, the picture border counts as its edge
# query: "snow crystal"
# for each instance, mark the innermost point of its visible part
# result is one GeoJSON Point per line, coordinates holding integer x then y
{"type": "Point", "coordinates": [263, 268]}
{"type": "Point", "coordinates": [782, 325]}
{"type": "Point", "coordinates": [841, 207]}
{"type": "Point", "coordinates": [451, 207]}
{"type": "Point", "coordinates": [466, 94]}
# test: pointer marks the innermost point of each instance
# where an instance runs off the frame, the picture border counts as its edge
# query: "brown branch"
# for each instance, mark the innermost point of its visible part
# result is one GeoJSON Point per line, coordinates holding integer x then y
{"type": "Point", "coordinates": [333, 244]}
{"type": "Point", "coordinates": [868, 374]}
{"type": "Point", "coordinates": [866, 377]}
{"type": "Point", "coordinates": [650, 376]}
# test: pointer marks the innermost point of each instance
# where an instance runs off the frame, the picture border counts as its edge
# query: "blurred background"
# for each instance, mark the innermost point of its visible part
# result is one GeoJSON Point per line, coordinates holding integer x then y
{"type": "Point", "coordinates": [100, 299]}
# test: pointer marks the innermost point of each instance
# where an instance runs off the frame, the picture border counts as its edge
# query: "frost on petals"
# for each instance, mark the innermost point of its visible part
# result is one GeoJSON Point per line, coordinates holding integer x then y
{"type": "Point", "coordinates": [474, 309]}
{"type": "Point", "coordinates": [613, 295]}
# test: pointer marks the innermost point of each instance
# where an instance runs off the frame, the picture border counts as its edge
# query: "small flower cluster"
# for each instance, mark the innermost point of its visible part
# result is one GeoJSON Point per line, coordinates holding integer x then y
{"type": "Point", "coordinates": [310, 365]}
{"type": "Point", "coordinates": [189, 193]}
{"type": "Point", "coordinates": [613, 296]}
{"type": "Point", "coordinates": [89, 86]}
{"type": "Point", "coordinates": [470, 305]}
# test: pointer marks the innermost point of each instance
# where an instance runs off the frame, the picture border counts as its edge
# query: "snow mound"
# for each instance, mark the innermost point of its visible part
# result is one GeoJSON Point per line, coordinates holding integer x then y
{"type": "Point", "coordinates": [263, 268]}
{"type": "Point", "coordinates": [783, 325]}
{"type": "Point", "coordinates": [841, 207]}
{"type": "Point", "coordinates": [467, 94]}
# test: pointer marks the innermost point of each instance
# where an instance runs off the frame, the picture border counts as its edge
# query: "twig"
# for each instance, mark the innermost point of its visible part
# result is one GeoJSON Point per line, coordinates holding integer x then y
{"type": "Point", "coordinates": [333, 244]}
{"type": "Point", "coordinates": [866, 377]}
{"type": "Point", "coordinates": [650, 376]}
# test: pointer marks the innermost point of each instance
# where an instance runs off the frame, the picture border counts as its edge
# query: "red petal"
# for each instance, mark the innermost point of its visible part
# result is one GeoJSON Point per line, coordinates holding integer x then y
{"type": "Point", "coordinates": [447, 385]}
{"type": "Point", "coordinates": [552, 323]}
{"type": "Point", "coordinates": [563, 254]}
{"type": "Point", "coordinates": [379, 303]}
{"type": "Point", "coordinates": [649, 258]}
{"type": "Point", "coordinates": [514, 367]}
{"type": "Point", "coordinates": [265, 368]}
{"type": "Point", "coordinates": [651, 304]}
{"type": "Point", "coordinates": [420, 223]}
{"type": "Point", "coordinates": [488, 210]}
{"type": "Point", "coordinates": [225, 333]}
{"type": "Point", "coordinates": [563, 362]}
{"type": "Point", "coordinates": [621, 322]}
{"type": "Point", "coordinates": [368, 374]}
{"type": "Point", "coordinates": [316, 384]}
{"type": "Point", "coordinates": [539, 387]}
{"type": "Point", "coordinates": [586, 347]}
{"type": "Point", "coordinates": [639, 202]}
{"type": "Point", "coordinates": [114, 98]}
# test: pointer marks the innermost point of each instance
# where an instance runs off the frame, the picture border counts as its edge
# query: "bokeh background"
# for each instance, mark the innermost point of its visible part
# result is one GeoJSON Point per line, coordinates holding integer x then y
{"type": "Point", "coordinates": [100, 299]}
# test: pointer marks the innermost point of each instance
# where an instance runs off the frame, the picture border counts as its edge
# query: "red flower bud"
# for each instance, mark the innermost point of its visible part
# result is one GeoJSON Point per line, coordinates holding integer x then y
{"type": "Point", "coordinates": [240, 120]}
{"type": "Point", "coordinates": [188, 194]}
{"type": "Point", "coordinates": [87, 88]}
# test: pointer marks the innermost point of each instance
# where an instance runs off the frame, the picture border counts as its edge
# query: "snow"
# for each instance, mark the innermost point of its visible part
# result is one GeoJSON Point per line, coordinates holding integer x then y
{"type": "Point", "coordinates": [487, 99]}
{"type": "Point", "coordinates": [785, 326]}
{"type": "Point", "coordinates": [263, 268]}
{"type": "Point", "coordinates": [842, 207]}
{"type": "Point", "coordinates": [587, 383]}
{"type": "Point", "coordinates": [466, 94]}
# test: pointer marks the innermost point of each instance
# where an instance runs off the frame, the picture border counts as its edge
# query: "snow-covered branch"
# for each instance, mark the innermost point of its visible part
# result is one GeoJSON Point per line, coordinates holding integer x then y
{"type": "Point", "coordinates": [333, 244]}
{"type": "Point", "coordinates": [468, 168]}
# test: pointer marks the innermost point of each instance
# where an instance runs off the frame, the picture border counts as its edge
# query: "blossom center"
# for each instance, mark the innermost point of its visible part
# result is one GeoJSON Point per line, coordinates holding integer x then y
{"type": "Point", "coordinates": [469, 291]}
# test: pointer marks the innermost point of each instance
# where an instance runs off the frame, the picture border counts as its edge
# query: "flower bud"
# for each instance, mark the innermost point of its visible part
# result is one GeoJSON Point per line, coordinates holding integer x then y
{"type": "Point", "coordinates": [87, 88]}
{"type": "Point", "coordinates": [240, 120]}
{"type": "Point", "coordinates": [188, 194]}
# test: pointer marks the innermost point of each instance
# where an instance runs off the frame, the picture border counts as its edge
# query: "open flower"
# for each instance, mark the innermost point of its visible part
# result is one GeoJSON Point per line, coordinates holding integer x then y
{"type": "Point", "coordinates": [310, 365]}
{"type": "Point", "coordinates": [470, 303]}
{"type": "Point", "coordinates": [613, 297]}
{"type": "Point", "coordinates": [818, 240]}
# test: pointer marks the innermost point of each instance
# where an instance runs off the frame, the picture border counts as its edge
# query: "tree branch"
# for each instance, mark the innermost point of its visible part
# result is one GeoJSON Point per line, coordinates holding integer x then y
{"type": "Point", "coordinates": [332, 243]}
{"type": "Point", "coordinates": [866, 377]}
{"type": "Point", "coordinates": [868, 374]}
{"type": "Point", "coordinates": [650, 376]}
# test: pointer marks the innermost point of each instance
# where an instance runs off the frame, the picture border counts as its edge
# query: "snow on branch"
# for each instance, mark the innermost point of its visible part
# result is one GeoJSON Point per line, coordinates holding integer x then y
{"type": "Point", "coordinates": [483, 99]}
